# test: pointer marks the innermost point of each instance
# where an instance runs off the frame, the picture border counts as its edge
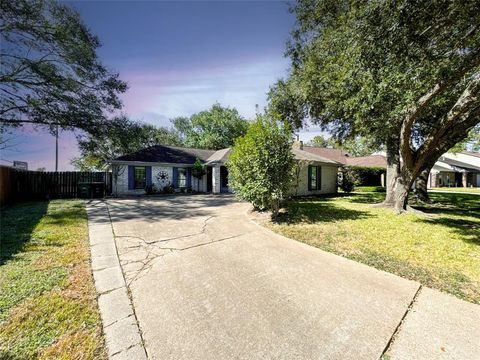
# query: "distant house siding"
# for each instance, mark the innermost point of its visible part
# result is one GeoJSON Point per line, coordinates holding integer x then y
{"type": "Point", "coordinates": [329, 181]}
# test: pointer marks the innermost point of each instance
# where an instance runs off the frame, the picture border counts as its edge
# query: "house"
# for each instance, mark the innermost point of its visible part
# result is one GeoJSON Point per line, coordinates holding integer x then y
{"type": "Point", "coordinates": [452, 169]}
{"type": "Point", "coordinates": [165, 166]}
{"type": "Point", "coordinates": [456, 170]}
{"type": "Point", "coordinates": [369, 177]}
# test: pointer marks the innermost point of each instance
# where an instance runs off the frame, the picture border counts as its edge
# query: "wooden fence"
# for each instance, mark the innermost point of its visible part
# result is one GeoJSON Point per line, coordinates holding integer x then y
{"type": "Point", "coordinates": [19, 185]}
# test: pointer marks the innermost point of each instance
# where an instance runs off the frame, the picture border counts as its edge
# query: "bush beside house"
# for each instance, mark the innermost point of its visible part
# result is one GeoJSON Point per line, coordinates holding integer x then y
{"type": "Point", "coordinates": [261, 164]}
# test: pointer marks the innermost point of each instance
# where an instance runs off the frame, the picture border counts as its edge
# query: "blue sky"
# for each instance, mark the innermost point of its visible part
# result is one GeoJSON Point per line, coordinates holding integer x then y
{"type": "Point", "coordinates": [178, 58]}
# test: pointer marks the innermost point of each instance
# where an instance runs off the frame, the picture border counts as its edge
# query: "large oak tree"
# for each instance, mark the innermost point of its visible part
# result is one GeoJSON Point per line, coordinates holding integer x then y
{"type": "Point", "coordinates": [406, 73]}
{"type": "Point", "coordinates": [50, 73]}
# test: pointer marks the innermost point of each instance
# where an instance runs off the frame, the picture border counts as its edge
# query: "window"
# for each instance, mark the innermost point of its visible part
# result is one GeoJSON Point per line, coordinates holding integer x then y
{"type": "Point", "coordinates": [139, 177]}
{"type": "Point", "coordinates": [182, 178]}
{"type": "Point", "coordinates": [314, 178]}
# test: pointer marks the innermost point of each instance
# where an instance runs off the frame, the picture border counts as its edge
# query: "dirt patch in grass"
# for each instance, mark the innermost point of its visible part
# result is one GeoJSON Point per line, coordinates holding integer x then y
{"type": "Point", "coordinates": [441, 250]}
{"type": "Point", "coordinates": [48, 306]}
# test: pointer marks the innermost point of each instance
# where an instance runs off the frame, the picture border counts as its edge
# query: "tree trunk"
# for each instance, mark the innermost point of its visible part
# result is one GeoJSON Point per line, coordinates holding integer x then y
{"type": "Point", "coordinates": [399, 180]}
{"type": "Point", "coordinates": [421, 185]}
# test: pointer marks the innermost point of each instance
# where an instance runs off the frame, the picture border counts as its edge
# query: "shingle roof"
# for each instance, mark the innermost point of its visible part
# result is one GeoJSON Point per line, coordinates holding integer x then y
{"type": "Point", "coordinates": [219, 156]}
{"type": "Point", "coordinates": [168, 154]}
{"type": "Point", "coordinates": [337, 155]}
{"type": "Point", "coordinates": [180, 155]}
{"type": "Point", "coordinates": [305, 155]}
{"type": "Point", "coordinates": [372, 160]}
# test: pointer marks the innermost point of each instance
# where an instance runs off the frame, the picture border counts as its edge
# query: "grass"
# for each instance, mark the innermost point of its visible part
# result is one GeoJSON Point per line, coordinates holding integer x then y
{"type": "Point", "coordinates": [369, 189]}
{"type": "Point", "coordinates": [474, 190]}
{"type": "Point", "coordinates": [48, 307]}
{"type": "Point", "coordinates": [440, 249]}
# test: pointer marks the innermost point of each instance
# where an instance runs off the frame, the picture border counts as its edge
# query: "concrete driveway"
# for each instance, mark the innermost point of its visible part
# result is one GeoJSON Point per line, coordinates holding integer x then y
{"type": "Point", "coordinates": [207, 283]}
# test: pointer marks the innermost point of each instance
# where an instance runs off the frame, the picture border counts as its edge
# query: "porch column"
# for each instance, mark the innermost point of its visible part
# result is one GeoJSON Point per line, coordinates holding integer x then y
{"type": "Point", "coordinates": [434, 179]}
{"type": "Point", "coordinates": [216, 179]}
{"type": "Point", "coordinates": [464, 179]}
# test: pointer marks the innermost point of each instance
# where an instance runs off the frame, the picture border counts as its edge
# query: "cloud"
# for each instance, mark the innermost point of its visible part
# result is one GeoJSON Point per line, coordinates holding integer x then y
{"type": "Point", "coordinates": [172, 93]}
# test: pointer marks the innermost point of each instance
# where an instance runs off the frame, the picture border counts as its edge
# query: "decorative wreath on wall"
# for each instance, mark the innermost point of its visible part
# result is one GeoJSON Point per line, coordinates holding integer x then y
{"type": "Point", "coordinates": [162, 176]}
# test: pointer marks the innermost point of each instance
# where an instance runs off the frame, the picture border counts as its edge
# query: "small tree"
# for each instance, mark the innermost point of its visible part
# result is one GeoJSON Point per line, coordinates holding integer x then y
{"type": "Point", "coordinates": [198, 170]}
{"type": "Point", "coordinates": [261, 164]}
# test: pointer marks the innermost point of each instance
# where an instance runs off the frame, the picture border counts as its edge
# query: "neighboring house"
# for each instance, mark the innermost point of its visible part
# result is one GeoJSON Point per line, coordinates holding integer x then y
{"type": "Point", "coordinates": [452, 169]}
{"type": "Point", "coordinates": [165, 166]}
{"type": "Point", "coordinates": [456, 170]}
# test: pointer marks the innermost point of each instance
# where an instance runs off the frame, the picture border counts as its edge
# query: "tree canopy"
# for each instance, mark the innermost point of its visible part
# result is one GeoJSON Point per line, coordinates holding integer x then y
{"type": "Point", "coordinates": [404, 73]}
{"type": "Point", "coordinates": [216, 128]}
{"type": "Point", "coordinates": [121, 137]}
{"type": "Point", "coordinates": [357, 146]}
{"type": "Point", "coordinates": [49, 70]}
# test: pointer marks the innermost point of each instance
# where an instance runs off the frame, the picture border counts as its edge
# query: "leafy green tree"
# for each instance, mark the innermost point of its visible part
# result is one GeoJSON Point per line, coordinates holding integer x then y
{"type": "Point", "coordinates": [216, 128]}
{"type": "Point", "coordinates": [121, 137]}
{"type": "Point", "coordinates": [261, 164]}
{"type": "Point", "coordinates": [321, 141]}
{"type": "Point", "coordinates": [404, 73]}
{"type": "Point", "coordinates": [198, 170]}
{"type": "Point", "coordinates": [357, 146]}
{"type": "Point", "coordinates": [49, 70]}
{"type": "Point", "coordinates": [471, 143]}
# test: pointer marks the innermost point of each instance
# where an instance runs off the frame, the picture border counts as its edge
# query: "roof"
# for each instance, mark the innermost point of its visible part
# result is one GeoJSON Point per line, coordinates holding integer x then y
{"type": "Point", "coordinates": [370, 161]}
{"type": "Point", "coordinates": [337, 155]}
{"type": "Point", "coordinates": [456, 163]}
{"type": "Point", "coordinates": [168, 154]}
{"type": "Point", "coordinates": [181, 155]}
{"type": "Point", "coordinates": [471, 153]}
{"type": "Point", "coordinates": [219, 156]}
{"type": "Point", "coordinates": [308, 156]}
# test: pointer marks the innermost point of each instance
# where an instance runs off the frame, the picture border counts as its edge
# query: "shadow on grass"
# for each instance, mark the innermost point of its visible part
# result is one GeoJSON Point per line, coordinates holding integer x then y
{"type": "Point", "coordinates": [17, 224]}
{"type": "Point", "coordinates": [469, 230]}
{"type": "Point", "coordinates": [317, 210]}
{"type": "Point", "coordinates": [459, 205]}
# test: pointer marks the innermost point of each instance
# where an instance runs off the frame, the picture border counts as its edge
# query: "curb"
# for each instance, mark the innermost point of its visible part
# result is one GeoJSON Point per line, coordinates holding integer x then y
{"type": "Point", "coordinates": [120, 326]}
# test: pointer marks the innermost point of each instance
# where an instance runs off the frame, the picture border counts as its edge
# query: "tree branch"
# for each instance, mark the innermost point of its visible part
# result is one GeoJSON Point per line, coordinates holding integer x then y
{"type": "Point", "coordinates": [414, 111]}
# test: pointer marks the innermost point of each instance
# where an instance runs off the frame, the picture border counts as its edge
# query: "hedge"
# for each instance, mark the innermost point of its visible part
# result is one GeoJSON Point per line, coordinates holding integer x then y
{"type": "Point", "coordinates": [367, 175]}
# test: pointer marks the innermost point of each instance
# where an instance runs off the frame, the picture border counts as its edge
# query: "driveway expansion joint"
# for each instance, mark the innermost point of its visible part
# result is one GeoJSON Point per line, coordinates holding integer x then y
{"type": "Point", "coordinates": [398, 329]}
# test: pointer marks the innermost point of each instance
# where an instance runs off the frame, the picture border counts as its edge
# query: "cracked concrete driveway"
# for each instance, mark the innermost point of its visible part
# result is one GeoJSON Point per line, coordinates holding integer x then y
{"type": "Point", "coordinates": [207, 283]}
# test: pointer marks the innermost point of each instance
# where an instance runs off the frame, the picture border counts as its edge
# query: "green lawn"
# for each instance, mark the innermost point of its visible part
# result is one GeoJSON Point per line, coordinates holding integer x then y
{"type": "Point", "coordinates": [48, 307]}
{"type": "Point", "coordinates": [440, 250]}
{"type": "Point", "coordinates": [458, 189]}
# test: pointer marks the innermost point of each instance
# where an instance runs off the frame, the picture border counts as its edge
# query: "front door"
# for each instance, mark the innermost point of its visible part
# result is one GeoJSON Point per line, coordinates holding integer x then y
{"type": "Point", "coordinates": [223, 179]}
{"type": "Point", "coordinates": [209, 179]}
{"type": "Point", "coordinates": [458, 179]}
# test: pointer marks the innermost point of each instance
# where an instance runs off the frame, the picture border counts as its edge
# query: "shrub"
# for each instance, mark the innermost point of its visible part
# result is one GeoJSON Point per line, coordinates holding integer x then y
{"type": "Point", "coordinates": [367, 175]}
{"type": "Point", "coordinates": [261, 164]}
{"type": "Point", "coordinates": [151, 189]}
{"type": "Point", "coordinates": [169, 189]}
{"type": "Point", "coordinates": [349, 179]}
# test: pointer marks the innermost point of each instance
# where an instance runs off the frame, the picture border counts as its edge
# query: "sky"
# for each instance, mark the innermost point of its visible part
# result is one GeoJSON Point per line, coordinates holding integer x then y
{"type": "Point", "coordinates": [178, 58]}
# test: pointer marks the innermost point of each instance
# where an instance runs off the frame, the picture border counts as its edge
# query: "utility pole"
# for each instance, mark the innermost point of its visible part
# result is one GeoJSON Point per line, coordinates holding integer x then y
{"type": "Point", "coordinates": [56, 148]}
